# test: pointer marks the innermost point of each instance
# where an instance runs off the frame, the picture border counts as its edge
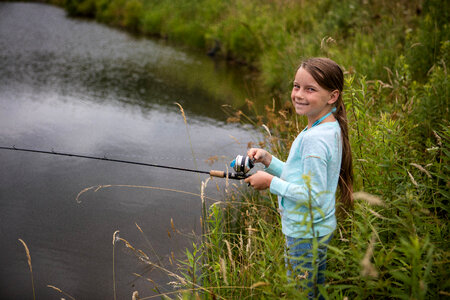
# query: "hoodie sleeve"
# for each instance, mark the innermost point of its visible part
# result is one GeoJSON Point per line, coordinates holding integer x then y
{"type": "Point", "coordinates": [276, 167]}
{"type": "Point", "coordinates": [312, 179]}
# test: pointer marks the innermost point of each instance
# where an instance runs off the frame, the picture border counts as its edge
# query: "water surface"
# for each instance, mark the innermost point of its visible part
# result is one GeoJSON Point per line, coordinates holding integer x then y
{"type": "Point", "coordinates": [77, 86]}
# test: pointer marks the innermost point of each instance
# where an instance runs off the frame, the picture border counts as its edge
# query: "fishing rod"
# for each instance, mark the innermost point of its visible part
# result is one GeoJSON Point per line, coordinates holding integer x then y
{"type": "Point", "coordinates": [242, 164]}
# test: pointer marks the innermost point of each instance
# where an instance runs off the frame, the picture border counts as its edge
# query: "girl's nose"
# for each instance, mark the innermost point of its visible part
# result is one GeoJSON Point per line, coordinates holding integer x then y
{"type": "Point", "coordinates": [298, 93]}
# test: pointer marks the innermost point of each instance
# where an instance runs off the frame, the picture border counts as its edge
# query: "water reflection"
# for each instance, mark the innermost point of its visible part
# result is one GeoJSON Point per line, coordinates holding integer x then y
{"type": "Point", "coordinates": [77, 86]}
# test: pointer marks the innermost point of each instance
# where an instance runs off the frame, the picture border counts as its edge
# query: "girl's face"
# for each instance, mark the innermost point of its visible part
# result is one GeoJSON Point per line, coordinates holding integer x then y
{"type": "Point", "coordinates": [309, 98]}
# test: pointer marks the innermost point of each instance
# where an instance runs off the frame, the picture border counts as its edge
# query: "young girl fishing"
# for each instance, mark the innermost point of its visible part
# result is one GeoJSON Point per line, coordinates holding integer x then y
{"type": "Point", "coordinates": [319, 161]}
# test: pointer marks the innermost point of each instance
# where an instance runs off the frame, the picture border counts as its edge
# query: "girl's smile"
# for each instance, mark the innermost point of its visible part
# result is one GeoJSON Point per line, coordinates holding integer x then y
{"type": "Point", "coordinates": [310, 99]}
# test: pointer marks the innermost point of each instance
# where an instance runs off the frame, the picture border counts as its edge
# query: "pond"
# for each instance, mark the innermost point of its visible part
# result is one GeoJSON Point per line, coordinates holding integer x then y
{"type": "Point", "coordinates": [72, 85]}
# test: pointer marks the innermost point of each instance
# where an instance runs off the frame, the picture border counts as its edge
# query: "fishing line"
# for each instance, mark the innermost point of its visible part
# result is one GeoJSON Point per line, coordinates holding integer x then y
{"type": "Point", "coordinates": [240, 174]}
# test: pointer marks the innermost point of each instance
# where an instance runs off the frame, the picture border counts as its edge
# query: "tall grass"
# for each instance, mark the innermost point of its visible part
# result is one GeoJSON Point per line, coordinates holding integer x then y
{"type": "Point", "coordinates": [394, 244]}
{"type": "Point", "coordinates": [30, 266]}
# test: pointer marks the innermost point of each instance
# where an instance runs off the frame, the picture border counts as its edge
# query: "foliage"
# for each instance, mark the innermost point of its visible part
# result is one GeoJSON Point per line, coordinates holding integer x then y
{"type": "Point", "coordinates": [391, 245]}
{"type": "Point", "coordinates": [273, 35]}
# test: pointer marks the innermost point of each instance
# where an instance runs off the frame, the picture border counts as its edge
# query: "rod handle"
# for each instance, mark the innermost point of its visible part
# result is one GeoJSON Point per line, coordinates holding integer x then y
{"type": "Point", "coordinates": [216, 173]}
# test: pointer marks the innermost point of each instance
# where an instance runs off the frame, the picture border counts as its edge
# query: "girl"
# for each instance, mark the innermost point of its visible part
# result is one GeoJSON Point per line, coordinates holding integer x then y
{"type": "Point", "coordinates": [319, 160]}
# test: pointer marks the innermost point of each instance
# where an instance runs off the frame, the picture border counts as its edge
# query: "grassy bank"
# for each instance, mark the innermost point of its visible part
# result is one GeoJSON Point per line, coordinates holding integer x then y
{"type": "Point", "coordinates": [394, 244]}
{"type": "Point", "coordinates": [364, 36]}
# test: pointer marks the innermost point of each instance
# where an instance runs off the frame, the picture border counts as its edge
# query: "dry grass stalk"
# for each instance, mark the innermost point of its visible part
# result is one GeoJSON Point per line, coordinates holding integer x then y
{"type": "Point", "coordinates": [29, 266]}
{"type": "Point", "coordinates": [341, 237]}
{"type": "Point", "coordinates": [189, 136]}
{"type": "Point", "coordinates": [209, 292]}
{"type": "Point", "coordinates": [421, 169]}
{"type": "Point", "coordinates": [115, 236]}
{"type": "Point", "coordinates": [249, 103]}
{"type": "Point", "coordinates": [325, 41]}
{"type": "Point", "coordinates": [235, 139]}
{"type": "Point", "coordinates": [249, 239]}
{"type": "Point", "coordinates": [367, 267]}
{"type": "Point", "coordinates": [202, 190]}
{"type": "Point", "coordinates": [223, 269]}
{"type": "Point", "coordinates": [115, 239]}
{"type": "Point", "coordinates": [85, 190]}
{"type": "Point", "coordinates": [241, 245]}
{"type": "Point", "coordinates": [180, 279]}
{"type": "Point", "coordinates": [182, 112]}
{"type": "Point", "coordinates": [172, 224]}
{"type": "Point", "coordinates": [202, 197]}
{"type": "Point", "coordinates": [438, 138]}
{"type": "Point", "coordinates": [258, 284]}
{"type": "Point", "coordinates": [302, 276]}
{"type": "Point", "coordinates": [148, 242]}
{"type": "Point", "coordinates": [212, 159]}
{"type": "Point", "coordinates": [155, 286]}
{"type": "Point", "coordinates": [377, 214]}
{"type": "Point", "coordinates": [59, 290]}
{"type": "Point", "coordinates": [139, 253]}
{"type": "Point", "coordinates": [135, 296]}
{"type": "Point", "coordinates": [412, 179]}
{"type": "Point", "coordinates": [28, 254]}
{"type": "Point", "coordinates": [371, 199]}
{"type": "Point", "coordinates": [230, 256]}
{"type": "Point", "coordinates": [233, 120]}
{"type": "Point", "coordinates": [227, 181]}
{"type": "Point", "coordinates": [142, 254]}
{"type": "Point", "coordinates": [127, 244]}
{"type": "Point", "coordinates": [267, 129]}
{"type": "Point", "coordinates": [98, 187]}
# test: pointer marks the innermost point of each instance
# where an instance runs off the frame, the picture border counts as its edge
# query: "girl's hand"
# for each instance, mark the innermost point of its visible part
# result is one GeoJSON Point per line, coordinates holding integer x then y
{"type": "Point", "coordinates": [260, 180]}
{"type": "Point", "coordinates": [260, 155]}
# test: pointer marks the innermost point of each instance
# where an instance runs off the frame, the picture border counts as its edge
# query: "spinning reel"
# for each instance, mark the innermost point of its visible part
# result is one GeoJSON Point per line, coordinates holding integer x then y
{"type": "Point", "coordinates": [242, 165]}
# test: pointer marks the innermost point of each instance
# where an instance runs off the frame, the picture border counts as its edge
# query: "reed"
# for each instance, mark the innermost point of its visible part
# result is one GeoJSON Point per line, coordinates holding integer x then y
{"type": "Point", "coordinates": [61, 291]}
{"type": "Point", "coordinates": [27, 251]}
{"type": "Point", "coordinates": [114, 240]}
{"type": "Point", "coordinates": [188, 135]}
{"type": "Point", "coordinates": [105, 186]}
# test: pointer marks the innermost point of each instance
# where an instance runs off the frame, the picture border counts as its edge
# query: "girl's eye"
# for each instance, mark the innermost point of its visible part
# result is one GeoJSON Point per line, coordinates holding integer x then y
{"type": "Point", "coordinates": [296, 86]}
{"type": "Point", "coordinates": [310, 89]}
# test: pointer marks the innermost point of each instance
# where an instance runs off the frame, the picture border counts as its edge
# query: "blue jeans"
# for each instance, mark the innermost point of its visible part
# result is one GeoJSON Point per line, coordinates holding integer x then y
{"type": "Point", "coordinates": [299, 262]}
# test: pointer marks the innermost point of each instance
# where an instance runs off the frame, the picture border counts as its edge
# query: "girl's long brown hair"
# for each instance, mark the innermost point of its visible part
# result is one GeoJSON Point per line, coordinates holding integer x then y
{"type": "Point", "coordinates": [329, 75]}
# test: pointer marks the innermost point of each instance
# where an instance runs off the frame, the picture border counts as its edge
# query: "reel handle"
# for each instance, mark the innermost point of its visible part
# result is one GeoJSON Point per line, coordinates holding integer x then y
{"type": "Point", "coordinates": [215, 173]}
{"type": "Point", "coordinates": [222, 174]}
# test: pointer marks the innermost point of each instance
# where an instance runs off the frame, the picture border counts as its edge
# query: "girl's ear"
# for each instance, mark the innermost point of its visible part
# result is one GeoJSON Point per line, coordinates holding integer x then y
{"type": "Point", "coordinates": [334, 95]}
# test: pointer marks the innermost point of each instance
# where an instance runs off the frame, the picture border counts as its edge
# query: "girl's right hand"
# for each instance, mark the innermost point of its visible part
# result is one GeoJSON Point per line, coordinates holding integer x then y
{"type": "Point", "coordinates": [260, 155]}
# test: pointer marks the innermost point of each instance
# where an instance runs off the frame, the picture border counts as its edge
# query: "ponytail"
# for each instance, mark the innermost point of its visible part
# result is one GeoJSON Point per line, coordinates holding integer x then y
{"type": "Point", "coordinates": [345, 182]}
{"type": "Point", "coordinates": [329, 75]}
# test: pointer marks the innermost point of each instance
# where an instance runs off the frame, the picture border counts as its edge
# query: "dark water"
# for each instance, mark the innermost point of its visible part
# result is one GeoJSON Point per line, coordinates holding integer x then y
{"type": "Point", "coordinates": [77, 86]}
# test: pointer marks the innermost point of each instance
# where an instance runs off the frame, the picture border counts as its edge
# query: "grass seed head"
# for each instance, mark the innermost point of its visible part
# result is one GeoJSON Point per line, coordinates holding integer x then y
{"type": "Point", "coordinates": [369, 198]}
{"type": "Point", "coordinates": [368, 269]}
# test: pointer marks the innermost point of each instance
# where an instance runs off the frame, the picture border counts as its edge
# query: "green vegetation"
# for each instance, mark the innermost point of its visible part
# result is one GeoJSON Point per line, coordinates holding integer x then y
{"type": "Point", "coordinates": [396, 56]}
{"type": "Point", "coordinates": [364, 36]}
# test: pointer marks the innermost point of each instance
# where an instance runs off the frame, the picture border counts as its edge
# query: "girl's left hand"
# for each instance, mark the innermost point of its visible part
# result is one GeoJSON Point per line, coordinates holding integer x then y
{"type": "Point", "coordinates": [260, 180]}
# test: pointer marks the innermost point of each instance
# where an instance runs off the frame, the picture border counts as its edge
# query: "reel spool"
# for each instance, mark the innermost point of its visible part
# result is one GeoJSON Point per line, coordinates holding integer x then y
{"type": "Point", "coordinates": [242, 164]}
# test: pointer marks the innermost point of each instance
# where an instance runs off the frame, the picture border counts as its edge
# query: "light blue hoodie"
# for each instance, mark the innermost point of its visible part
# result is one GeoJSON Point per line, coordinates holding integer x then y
{"type": "Point", "coordinates": [315, 154]}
